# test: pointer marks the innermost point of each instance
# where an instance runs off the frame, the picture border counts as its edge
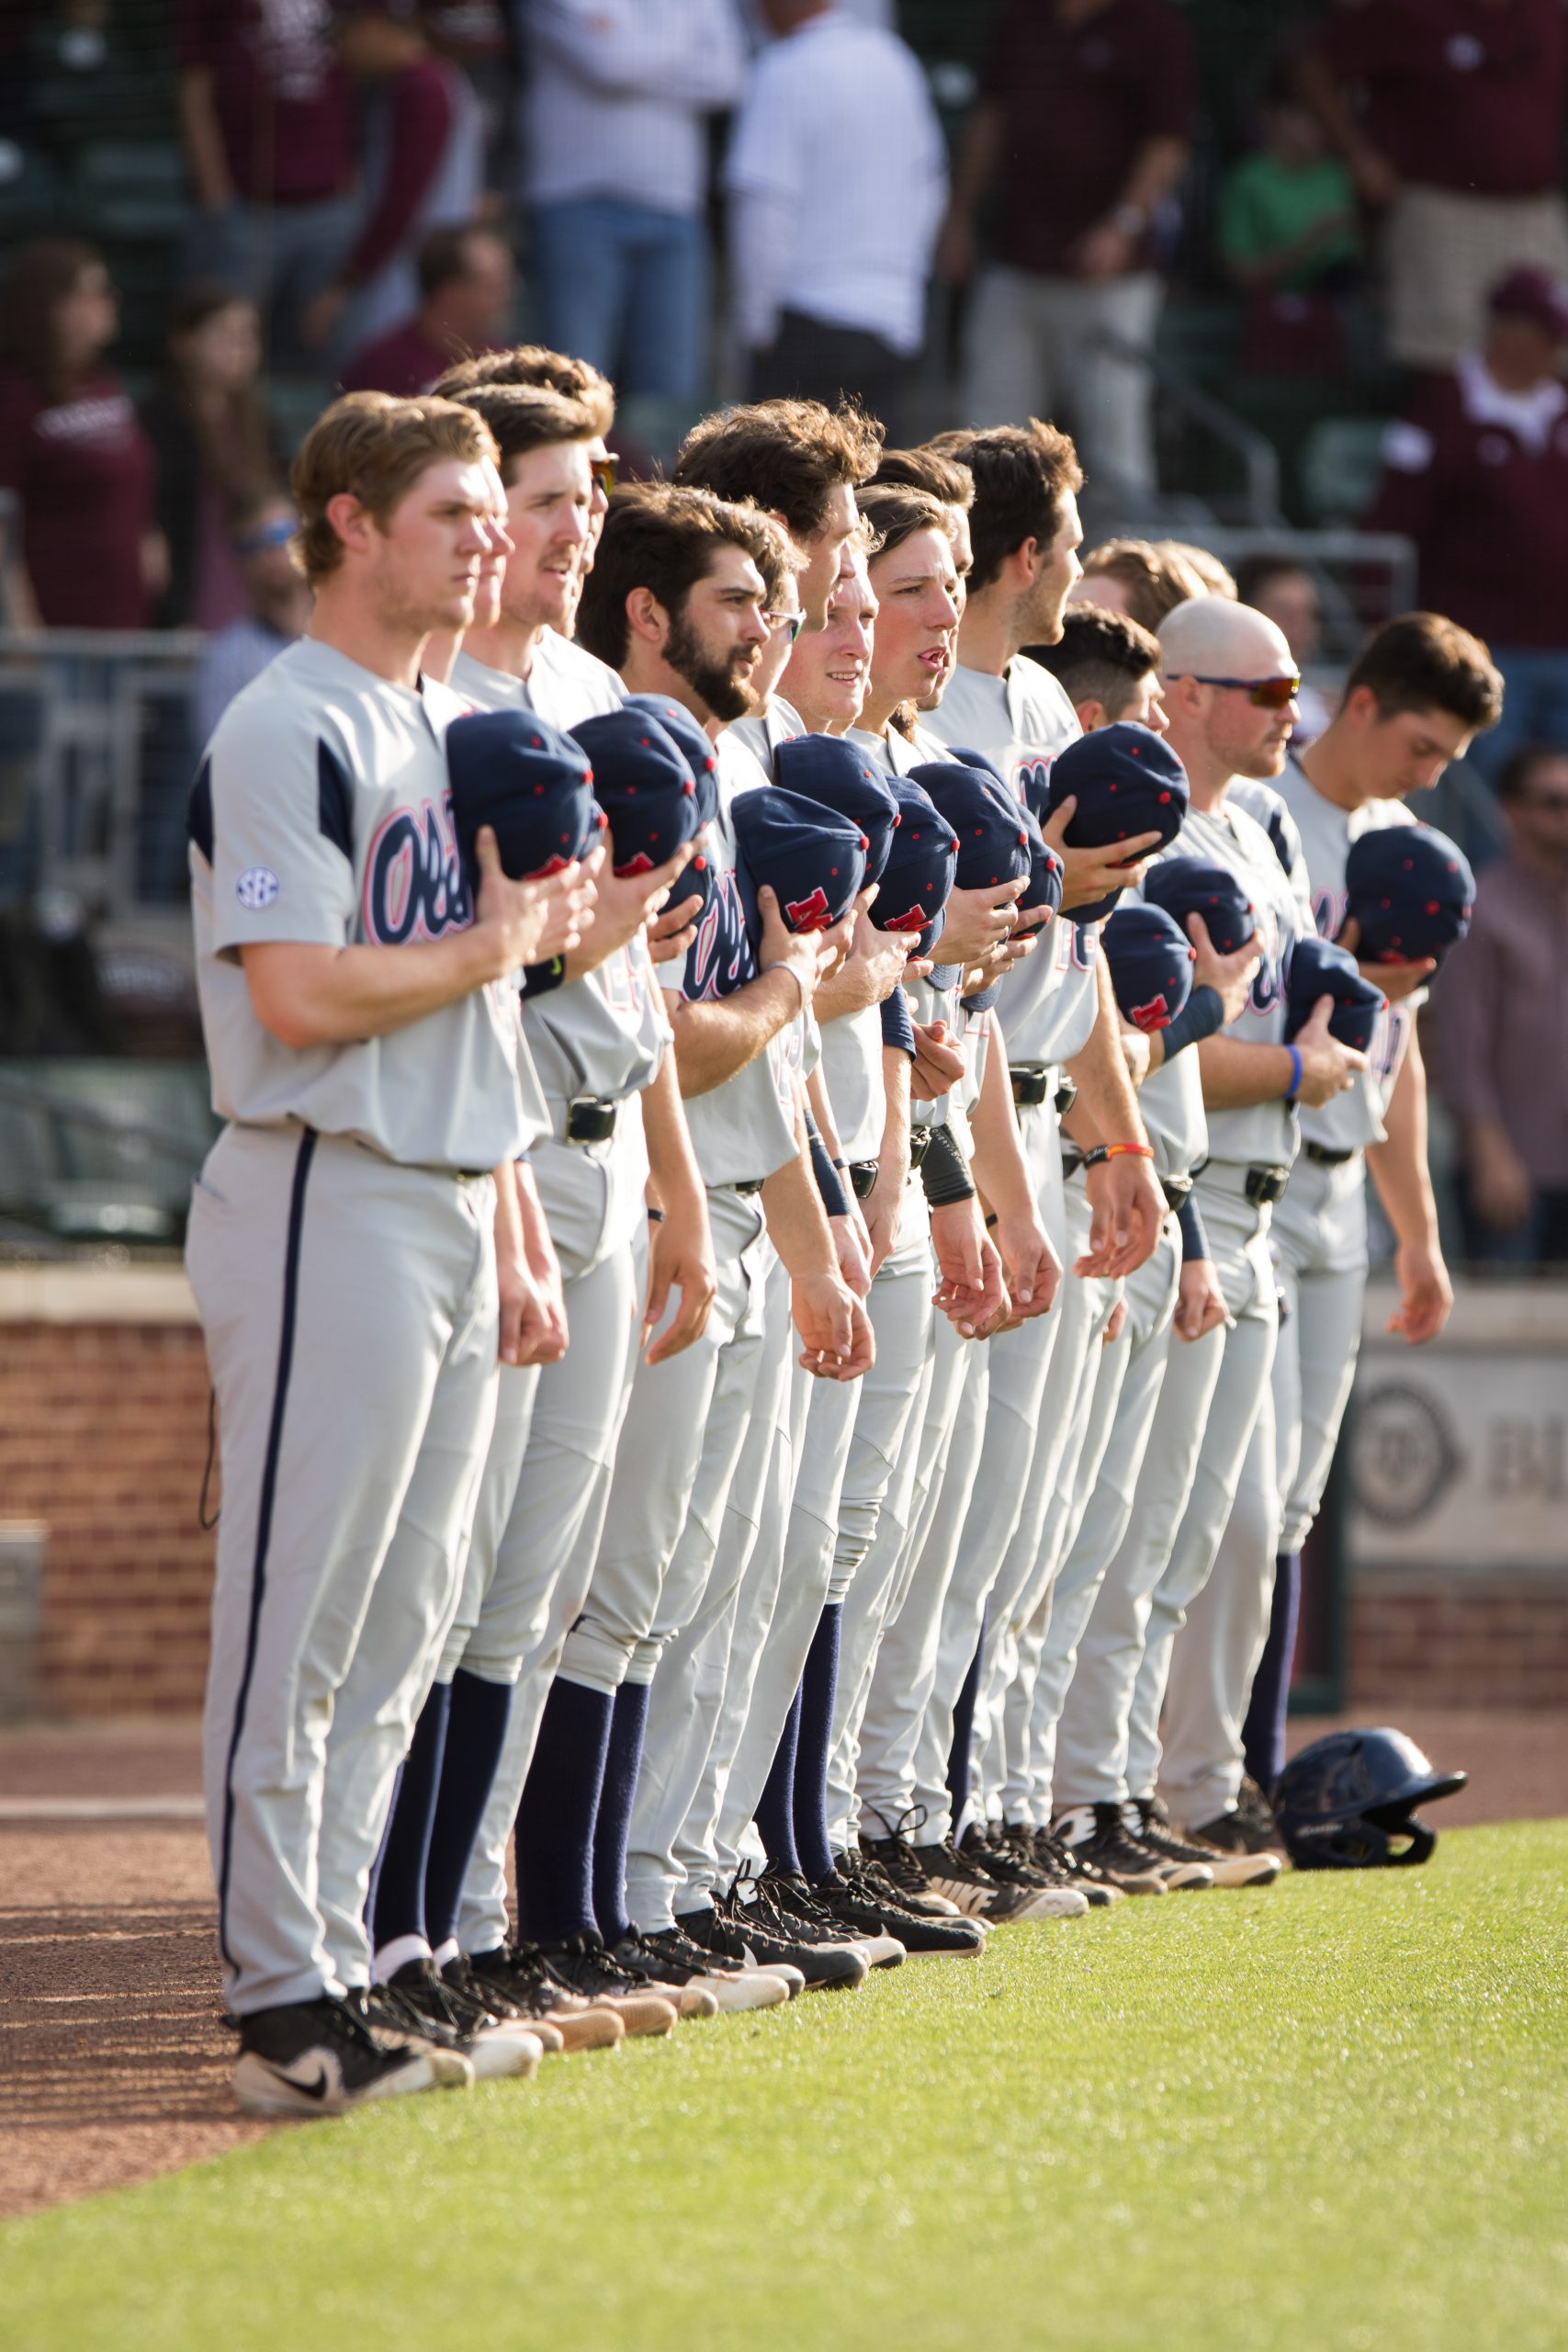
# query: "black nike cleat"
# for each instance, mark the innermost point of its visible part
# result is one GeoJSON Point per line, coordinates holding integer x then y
{"type": "Point", "coordinates": [324, 2057]}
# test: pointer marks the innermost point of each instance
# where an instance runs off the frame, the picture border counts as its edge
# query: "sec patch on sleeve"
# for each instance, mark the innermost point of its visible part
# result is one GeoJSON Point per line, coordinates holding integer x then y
{"type": "Point", "coordinates": [256, 888]}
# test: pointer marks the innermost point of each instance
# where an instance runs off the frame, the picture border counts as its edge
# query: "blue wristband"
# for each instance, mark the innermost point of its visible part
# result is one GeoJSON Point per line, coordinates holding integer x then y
{"type": "Point", "coordinates": [1295, 1085]}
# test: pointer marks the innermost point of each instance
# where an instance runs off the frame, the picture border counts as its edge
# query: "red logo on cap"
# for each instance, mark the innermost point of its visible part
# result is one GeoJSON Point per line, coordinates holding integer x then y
{"type": "Point", "coordinates": [810, 915]}
{"type": "Point", "coordinates": [914, 921]}
{"type": "Point", "coordinates": [1149, 1017]}
{"type": "Point", "coordinates": [640, 864]}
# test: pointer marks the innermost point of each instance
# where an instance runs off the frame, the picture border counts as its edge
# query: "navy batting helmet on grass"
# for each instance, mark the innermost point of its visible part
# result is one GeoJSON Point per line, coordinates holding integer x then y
{"type": "Point", "coordinates": [1127, 780]}
{"type": "Point", "coordinates": [1191, 886]}
{"type": "Point", "coordinates": [1410, 889]}
{"type": "Point", "coordinates": [1151, 965]}
{"type": "Point", "coordinates": [1319, 968]}
{"type": "Point", "coordinates": [1348, 1802]}
{"type": "Point", "coordinates": [531, 783]}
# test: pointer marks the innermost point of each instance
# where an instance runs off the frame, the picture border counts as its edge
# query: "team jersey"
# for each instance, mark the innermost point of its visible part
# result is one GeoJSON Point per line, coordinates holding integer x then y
{"type": "Point", "coordinates": [1356, 1117]}
{"type": "Point", "coordinates": [745, 1128]}
{"type": "Point", "coordinates": [322, 816]}
{"type": "Point", "coordinates": [780, 723]}
{"type": "Point", "coordinates": [1260, 1134]}
{"type": "Point", "coordinates": [1022, 720]}
{"type": "Point", "coordinates": [564, 685]}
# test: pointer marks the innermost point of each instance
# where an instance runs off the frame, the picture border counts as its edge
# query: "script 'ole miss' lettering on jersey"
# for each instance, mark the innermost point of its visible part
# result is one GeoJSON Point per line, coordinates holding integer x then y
{"type": "Point", "coordinates": [719, 959]}
{"type": "Point", "coordinates": [413, 878]}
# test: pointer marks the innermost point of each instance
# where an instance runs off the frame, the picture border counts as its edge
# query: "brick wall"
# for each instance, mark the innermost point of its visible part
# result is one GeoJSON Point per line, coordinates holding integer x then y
{"type": "Point", "coordinates": [1497, 1643]}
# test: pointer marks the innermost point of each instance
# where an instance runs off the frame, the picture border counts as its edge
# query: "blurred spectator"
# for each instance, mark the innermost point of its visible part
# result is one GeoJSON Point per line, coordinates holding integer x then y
{"type": "Point", "coordinates": [837, 176]}
{"type": "Point", "coordinates": [466, 283]}
{"type": "Point", "coordinates": [72, 451]}
{"type": "Point", "coordinates": [1143, 579]}
{"type": "Point", "coordinates": [278, 607]}
{"type": "Point", "coordinates": [1461, 143]}
{"type": "Point", "coordinates": [1083, 121]}
{"type": "Point", "coordinates": [214, 449]}
{"type": "Point", "coordinates": [267, 117]}
{"type": "Point", "coordinates": [616, 138]}
{"type": "Point", "coordinates": [423, 169]}
{"type": "Point", "coordinates": [1289, 236]}
{"type": "Point", "coordinates": [1477, 475]}
{"type": "Point", "coordinates": [1285, 589]}
{"type": "Point", "coordinates": [1502, 1016]}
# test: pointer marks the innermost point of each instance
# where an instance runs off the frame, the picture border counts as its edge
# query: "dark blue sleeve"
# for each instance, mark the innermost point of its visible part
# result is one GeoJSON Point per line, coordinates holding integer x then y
{"type": "Point", "coordinates": [897, 1029]}
{"type": "Point", "coordinates": [1194, 1241]}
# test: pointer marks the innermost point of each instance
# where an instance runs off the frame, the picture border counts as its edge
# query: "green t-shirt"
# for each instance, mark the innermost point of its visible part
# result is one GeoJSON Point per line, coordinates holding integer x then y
{"type": "Point", "coordinates": [1264, 206]}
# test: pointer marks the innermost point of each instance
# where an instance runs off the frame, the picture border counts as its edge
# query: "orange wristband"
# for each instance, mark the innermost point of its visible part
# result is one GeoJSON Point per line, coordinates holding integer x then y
{"type": "Point", "coordinates": [1126, 1150]}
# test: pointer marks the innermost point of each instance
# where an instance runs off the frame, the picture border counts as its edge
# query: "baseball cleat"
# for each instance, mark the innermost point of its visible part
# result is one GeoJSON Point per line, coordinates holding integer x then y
{"type": "Point", "coordinates": [1048, 1898]}
{"type": "Point", "coordinates": [1062, 1866]}
{"type": "Point", "coordinates": [498, 2049]}
{"type": "Point", "coordinates": [1151, 1824]}
{"type": "Point", "coordinates": [517, 1972]}
{"type": "Point", "coordinates": [583, 1966]}
{"type": "Point", "coordinates": [1236, 1833]}
{"type": "Point", "coordinates": [492, 2003]}
{"type": "Point", "coordinates": [791, 1905]}
{"type": "Point", "coordinates": [309, 2058]}
{"type": "Point", "coordinates": [862, 1898]}
{"type": "Point", "coordinates": [1098, 1835]}
{"type": "Point", "coordinates": [668, 1959]}
{"type": "Point", "coordinates": [1184, 1866]}
{"type": "Point", "coordinates": [894, 1855]}
{"type": "Point", "coordinates": [765, 1942]}
{"type": "Point", "coordinates": [966, 1882]}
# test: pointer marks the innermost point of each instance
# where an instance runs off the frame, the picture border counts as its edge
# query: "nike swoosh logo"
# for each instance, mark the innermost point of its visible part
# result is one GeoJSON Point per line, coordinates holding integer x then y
{"type": "Point", "coordinates": [317, 2089]}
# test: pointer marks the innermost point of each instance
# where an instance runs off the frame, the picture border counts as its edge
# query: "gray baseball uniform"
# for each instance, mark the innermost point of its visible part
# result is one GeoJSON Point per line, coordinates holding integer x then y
{"type": "Point", "coordinates": [341, 1248]}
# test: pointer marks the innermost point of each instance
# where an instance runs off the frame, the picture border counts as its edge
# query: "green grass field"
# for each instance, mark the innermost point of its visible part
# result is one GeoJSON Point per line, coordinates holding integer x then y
{"type": "Point", "coordinates": [1334, 2115]}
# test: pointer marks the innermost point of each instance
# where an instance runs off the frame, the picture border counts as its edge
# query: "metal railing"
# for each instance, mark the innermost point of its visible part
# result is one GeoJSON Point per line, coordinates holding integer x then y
{"type": "Point", "coordinates": [1256, 454]}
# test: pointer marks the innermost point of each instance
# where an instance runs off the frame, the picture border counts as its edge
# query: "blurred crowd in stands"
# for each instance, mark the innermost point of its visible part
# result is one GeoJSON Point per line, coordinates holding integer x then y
{"type": "Point", "coordinates": [1343, 218]}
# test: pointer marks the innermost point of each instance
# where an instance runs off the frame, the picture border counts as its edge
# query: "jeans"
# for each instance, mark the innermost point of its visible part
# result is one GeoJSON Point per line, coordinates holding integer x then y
{"type": "Point", "coordinates": [279, 257]}
{"type": "Point", "coordinates": [626, 287]}
{"type": "Point", "coordinates": [1534, 705]}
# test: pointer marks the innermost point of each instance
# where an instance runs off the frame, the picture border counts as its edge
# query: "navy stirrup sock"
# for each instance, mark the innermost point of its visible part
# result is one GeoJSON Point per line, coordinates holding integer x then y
{"type": "Point", "coordinates": [611, 1833]}
{"type": "Point", "coordinates": [818, 1689]}
{"type": "Point", "coordinates": [555, 1819]}
{"type": "Point", "coordinates": [775, 1808]}
{"type": "Point", "coordinates": [1263, 1735]}
{"type": "Point", "coordinates": [475, 1732]}
{"type": "Point", "coordinates": [960, 1760]}
{"type": "Point", "coordinates": [397, 1903]}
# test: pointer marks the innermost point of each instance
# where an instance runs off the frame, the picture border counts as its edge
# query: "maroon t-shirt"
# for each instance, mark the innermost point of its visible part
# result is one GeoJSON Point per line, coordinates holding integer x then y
{"type": "Point", "coordinates": [82, 473]}
{"type": "Point", "coordinates": [1488, 512]}
{"type": "Point", "coordinates": [1078, 102]}
{"type": "Point", "coordinates": [402, 362]}
{"type": "Point", "coordinates": [283, 100]}
{"type": "Point", "coordinates": [1459, 93]}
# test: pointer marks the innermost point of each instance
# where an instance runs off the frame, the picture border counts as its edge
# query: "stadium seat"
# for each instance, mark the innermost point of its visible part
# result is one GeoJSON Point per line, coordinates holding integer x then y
{"type": "Point", "coordinates": [123, 1170]}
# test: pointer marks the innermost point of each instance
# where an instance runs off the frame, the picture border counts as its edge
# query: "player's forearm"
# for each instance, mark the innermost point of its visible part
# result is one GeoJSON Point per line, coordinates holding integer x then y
{"type": "Point", "coordinates": [674, 1176]}
{"type": "Point", "coordinates": [1107, 1108]}
{"type": "Point", "coordinates": [998, 1163]}
{"type": "Point", "coordinates": [1236, 1075]}
{"type": "Point", "coordinates": [714, 1040]}
{"type": "Point", "coordinates": [822, 1112]}
{"type": "Point", "coordinates": [798, 1223]}
{"type": "Point", "coordinates": [510, 1239]}
{"type": "Point", "coordinates": [539, 1250]}
{"type": "Point", "coordinates": [896, 1071]}
{"type": "Point", "coordinates": [306, 995]}
{"type": "Point", "coordinates": [1398, 1167]}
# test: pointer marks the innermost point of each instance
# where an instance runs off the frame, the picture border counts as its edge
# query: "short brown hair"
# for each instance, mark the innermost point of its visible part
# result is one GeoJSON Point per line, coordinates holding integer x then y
{"type": "Point", "coordinates": [1022, 472]}
{"type": "Point", "coordinates": [1100, 657]}
{"type": "Point", "coordinates": [928, 469]}
{"type": "Point", "coordinates": [663, 537]}
{"type": "Point", "coordinates": [521, 417]}
{"type": "Point", "coordinates": [896, 510]}
{"type": "Point", "coordinates": [788, 456]}
{"type": "Point", "coordinates": [374, 448]}
{"type": "Point", "coordinates": [1218, 578]}
{"type": "Point", "coordinates": [1425, 662]}
{"type": "Point", "coordinates": [1157, 578]}
{"type": "Point", "coordinates": [533, 365]}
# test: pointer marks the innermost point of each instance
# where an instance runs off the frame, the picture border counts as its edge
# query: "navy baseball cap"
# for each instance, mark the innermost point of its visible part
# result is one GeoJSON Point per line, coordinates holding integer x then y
{"type": "Point", "coordinates": [1127, 780]}
{"type": "Point", "coordinates": [825, 768]}
{"type": "Point", "coordinates": [697, 879]}
{"type": "Point", "coordinates": [917, 878]}
{"type": "Point", "coordinates": [1191, 886]}
{"type": "Point", "coordinates": [1411, 890]}
{"type": "Point", "coordinates": [513, 770]}
{"type": "Point", "coordinates": [993, 848]}
{"type": "Point", "coordinates": [812, 861]}
{"type": "Point", "coordinates": [643, 782]}
{"type": "Point", "coordinates": [1319, 968]}
{"type": "Point", "coordinates": [1151, 964]}
{"type": "Point", "coordinates": [1046, 874]}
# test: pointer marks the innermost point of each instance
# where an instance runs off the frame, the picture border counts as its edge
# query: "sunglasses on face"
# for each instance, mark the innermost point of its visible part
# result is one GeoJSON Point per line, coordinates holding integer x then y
{"type": "Point", "coordinates": [606, 470]}
{"type": "Point", "coordinates": [1267, 694]}
{"type": "Point", "coordinates": [793, 622]}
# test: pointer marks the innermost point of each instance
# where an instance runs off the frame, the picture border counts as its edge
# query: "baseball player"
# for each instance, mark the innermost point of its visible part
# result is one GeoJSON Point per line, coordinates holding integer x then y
{"type": "Point", "coordinates": [1418, 692]}
{"type": "Point", "coordinates": [1227, 681]}
{"type": "Point", "coordinates": [802, 464]}
{"type": "Point", "coordinates": [1107, 665]}
{"type": "Point", "coordinates": [366, 1058]}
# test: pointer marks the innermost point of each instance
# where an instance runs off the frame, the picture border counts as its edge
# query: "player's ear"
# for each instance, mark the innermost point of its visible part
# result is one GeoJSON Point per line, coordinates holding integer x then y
{"type": "Point", "coordinates": [1091, 714]}
{"type": "Point", "coordinates": [647, 618]}
{"type": "Point", "coordinates": [350, 520]}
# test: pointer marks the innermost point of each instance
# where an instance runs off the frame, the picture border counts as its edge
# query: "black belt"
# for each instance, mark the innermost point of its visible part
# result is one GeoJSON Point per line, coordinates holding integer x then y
{"type": "Point", "coordinates": [1265, 1184]}
{"type": "Point", "coordinates": [862, 1175]}
{"type": "Point", "coordinates": [1320, 1154]}
{"type": "Point", "coordinates": [1031, 1082]}
{"type": "Point", "coordinates": [920, 1143]}
{"type": "Point", "coordinates": [1175, 1189]}
{"type": "Point", "coordinates": [1072, 1160]}
{"type": "Point", "coordinates": [588, 1120]}
{"type": "Point", "coordinates": [752, 1185]}
{"type": "Point", "coordinates": [1066, 1095]}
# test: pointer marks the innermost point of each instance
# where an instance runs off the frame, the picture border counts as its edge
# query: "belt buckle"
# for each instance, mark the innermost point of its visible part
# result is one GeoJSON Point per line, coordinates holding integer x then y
{"type": "Point", "coordinates": [1266, 1185]}
{"type": "Point", "coordinates": [1175, 1189]}
{"type": "Point", "coordinates": [864, 1175]}
{"type": "Point", "coordinates": [588, 1120]}
{"type": "Point", "coordinates": [1031, 1082]}
{"type": "Point", "coordinates": [1066, 1095]}
{"type": "Point", "coordinates": [920, 1143]}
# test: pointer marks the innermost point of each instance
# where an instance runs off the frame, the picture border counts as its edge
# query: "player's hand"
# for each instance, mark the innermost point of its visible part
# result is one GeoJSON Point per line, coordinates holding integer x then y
{"type": "Point", "coordinates": [1499, 1182]}
{"type": "Point", "coordinates": [1199, 1301]}
{"type": "Point", "coordinates": [939, 1062]}
{"type": "Point", "coordinates": [624, 905]}
{"type": "Point", "coordinates": [956, 1235]}
{"type": "Point", "coordinates": [1425, 1294]}
{"type": "Point", "coordinates": [1127, 1213]}
{"type": "Point", "coordinates": [877, 962]}
{"type": "Point", "coordinates": [832, 1326]}
{"type": "Point", "coordinates": [679, 1258]}
{"type": "Point", "coordinates": [533, 1314]}
{"type": "Point", "coordinates": [1230, 976]}
{"type": "Point", "coordinates": [978, 920]}
{"type": "Point", "coordinates": [1135, 1052]}
{"type": "Point", "coordinates": [524, 922]}
{"type": "Point", "coordinates": [809, 954]}
{"type": "Point", "coordinates": [1033, 1270]}
{"type": "Point", "coordinates": [883, 1210]}
{"type": "Point", "coordinates": [850, 1252]}
{"type": "Point", "coordinates": [1089, 874]}
{"type": "Point", "coordinates": [674, 928]}
{"type": "Point", "coordinates": [1116, 1323]}
{"type": "Point", "coordinates": [1327, 1067]}
{"type": "Point", "coordinates": [1396, 980]}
